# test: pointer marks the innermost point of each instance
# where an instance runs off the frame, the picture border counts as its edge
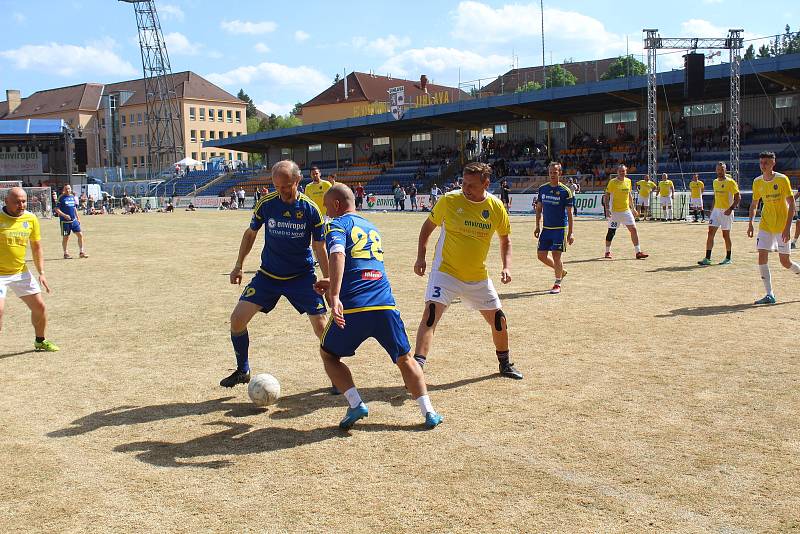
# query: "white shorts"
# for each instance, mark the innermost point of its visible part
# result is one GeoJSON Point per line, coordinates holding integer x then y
{"type": "Point", "coordinates": [695, 202]}
{"type": "Point", "coordinates": [666, 202]}
{"type": "Point", "coordinates": [720, 220]}
{"type": "Point", "coordinates": [621, 218]}
{"type": "Point", "coordinates": [23, 284]}
{"type": "Point", "coordinates": [643, 201]}
{"type": "Point", "coordinates": [772, 242]}
{"type": "Point", "coordinates": [443, 288]}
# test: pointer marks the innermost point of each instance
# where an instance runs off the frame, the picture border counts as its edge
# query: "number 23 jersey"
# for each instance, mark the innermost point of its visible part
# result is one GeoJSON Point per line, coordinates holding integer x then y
{"type": "Point", "coordinates": [365, 286]}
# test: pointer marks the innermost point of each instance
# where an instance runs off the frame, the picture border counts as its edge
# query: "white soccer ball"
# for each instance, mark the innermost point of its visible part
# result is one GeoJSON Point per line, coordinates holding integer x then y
{"type": "Point", "coordinates": [264, 389]}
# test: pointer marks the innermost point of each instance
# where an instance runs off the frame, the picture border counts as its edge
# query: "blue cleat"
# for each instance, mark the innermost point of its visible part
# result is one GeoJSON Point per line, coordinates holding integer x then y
{"type": "Point", "coordinates": [432, 419]}
{"type": "Point", "coordinates": [768, 299]}
{"type": "Point", "coordinates": [353, 415]}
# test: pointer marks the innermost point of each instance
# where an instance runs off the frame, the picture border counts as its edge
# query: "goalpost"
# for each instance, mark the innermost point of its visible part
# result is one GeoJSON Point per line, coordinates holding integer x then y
{"type": "Point", "coordinates": [40, 199]}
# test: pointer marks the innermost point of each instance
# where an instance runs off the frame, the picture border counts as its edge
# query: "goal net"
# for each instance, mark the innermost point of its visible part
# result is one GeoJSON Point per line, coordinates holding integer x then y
{"type": "Point", "coordinates": [40, 200]}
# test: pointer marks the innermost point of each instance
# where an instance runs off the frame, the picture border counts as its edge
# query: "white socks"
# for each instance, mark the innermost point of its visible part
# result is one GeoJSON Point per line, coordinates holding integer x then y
{"type": "Point", "coordinates": [352, 396]}
{"type": "Point", "coordinates": [425, 405]}
{"type": "Point", "coordinates": [766, 277]}
{"type": "Point", "coordinates": [637, 248]}
{"type": "Point", "coordinates": [608, 248]}
{"type": "Point", "coordinates": [795, 268]}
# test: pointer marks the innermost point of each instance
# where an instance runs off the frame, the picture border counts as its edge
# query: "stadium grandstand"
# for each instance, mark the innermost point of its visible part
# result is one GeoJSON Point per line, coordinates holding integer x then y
{"type": "Point", "coordinates": [591, 127]}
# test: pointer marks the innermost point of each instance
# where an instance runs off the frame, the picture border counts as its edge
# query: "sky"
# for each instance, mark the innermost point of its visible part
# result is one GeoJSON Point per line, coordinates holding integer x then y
{"type": "Point", "coordinates": [282, 52]}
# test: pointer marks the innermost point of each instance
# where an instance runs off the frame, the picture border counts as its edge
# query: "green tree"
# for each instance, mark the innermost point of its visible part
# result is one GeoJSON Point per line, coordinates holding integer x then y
{"type": "Point", "coordinates": [623, 67]}
{"type": "Point", "coordinates": [528, 86]}
{"type": "Point", "coordinates": [750, 53]}
{"type": "Point", "coordinates": [253, 125]}
{"type": "Point", "coordinates": [763, 51]}
{"type": "Point", "coordinates": [298, 110]}
{"type": "Point", "coordinates": [251, 106]}
{"type": "Point", "coordinates": [558, 76]}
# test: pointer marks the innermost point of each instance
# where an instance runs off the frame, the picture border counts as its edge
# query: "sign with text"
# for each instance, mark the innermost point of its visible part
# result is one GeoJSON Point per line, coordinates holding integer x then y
{"type": "Point", "coordinates": [397, 101]}
{"type": "Point", "coordinates": [17, 163]}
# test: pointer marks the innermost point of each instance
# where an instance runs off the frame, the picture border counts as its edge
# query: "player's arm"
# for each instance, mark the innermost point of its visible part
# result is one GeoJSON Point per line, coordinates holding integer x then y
{"type": "Point", "coordinates": [321, 254]}
{"type": "Point", "coordinates": [505, 257]}
{"type": "Point", "coordinates": [422, 245]}
{"type": "Point", "coordinates": [787, 228]}
{"type": "Point", "coordinates": [336, 271]}
{"type": "Point", "coordinates": [62, 214]}
{"type": "Point", "coordinates": [248, 239]}
{"type": "Point", "coordinates": [753, 206]}
{"type": "Point", "coordinates": [538, 207]}
{"type": "Point", "coordinates": [38, 261]}
{"type": "Point", "coordinates": [570, 221]}
{"type": "Point", "coordinates": [737, 198]}
{"type": "Point", "coordinates": [606, 200]}
{"type": "Point", "coordinates": [634, 211]}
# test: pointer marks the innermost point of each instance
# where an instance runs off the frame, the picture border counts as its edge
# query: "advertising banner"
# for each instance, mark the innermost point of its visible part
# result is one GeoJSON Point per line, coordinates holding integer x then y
{"type": "Point", "coordinates": [16, 163]}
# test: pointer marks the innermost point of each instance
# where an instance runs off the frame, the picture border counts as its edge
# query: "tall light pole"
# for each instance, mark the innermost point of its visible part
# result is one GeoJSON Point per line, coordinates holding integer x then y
{"type": "Point", "coordinates": [544, 65]}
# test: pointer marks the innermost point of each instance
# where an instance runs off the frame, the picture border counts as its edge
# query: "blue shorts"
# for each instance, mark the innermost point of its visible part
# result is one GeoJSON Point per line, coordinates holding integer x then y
{"type": "Point", "coordinates": [299, 291]}
{"type": "Point", "coordinates": [553, 239]}
{"type": "Point", "coordinates": [385, 326]}
{"type": "Point", "coordinates": [68, 227]}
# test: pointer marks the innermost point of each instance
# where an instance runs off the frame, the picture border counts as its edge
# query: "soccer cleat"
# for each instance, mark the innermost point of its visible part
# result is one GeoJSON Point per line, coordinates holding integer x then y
{"type": "Point", "coordinates": [607, 256]}
{"type": "Point", "coordinates": [726, 261]}
{"type": "Point", "coordinates": [704, 261]}
{"type": "Point", "coordinates": [83, 255]}
{"type": "Point", "coordinates": [768, 299]}
{"type": "Point", "coordinates": [641, 255]}
{"type": "Point", "coordinates": [45, 346]}
{"type": "Point", "coordinates": [236, 377]}
{"type": "Point", "coordinates": [556, 289]}
{"type": "Point", "coordinates": [353, 415]}
{"type": "Point", "coordinates": [433, 419]}
{"type": "Point", "coordinates": [509, 371]}
{"type": "Point", "coordinates": [67, 256]}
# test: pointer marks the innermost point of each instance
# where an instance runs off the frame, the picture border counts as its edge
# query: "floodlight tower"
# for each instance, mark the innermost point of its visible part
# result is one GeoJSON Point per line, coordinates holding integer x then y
{"type": "Point", "coordinates": [164, 131]}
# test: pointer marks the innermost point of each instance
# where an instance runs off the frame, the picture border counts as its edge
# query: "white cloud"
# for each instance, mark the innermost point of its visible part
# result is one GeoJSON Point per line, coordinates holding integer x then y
{"type": "Point", "coordinates": [310, 80]}
{"type": "Point", "coordinates": [301, 36]}
{"type": "Point", "coordinates": [179, 44]}
{"type": "Point", "coordinates": [261, 48]}
{"type": "Point", "coordinates": [18, 17]}
{"type": "Point", "coordinates": [439, 59]}
{"type": "Point", "coordinates": [479, 23]}
{"type": "Point", "coordinates": [68, 60]}
{"type": "Point", "coordinates": [168, 11]}
{"type": "Point", "coordinates": [215, 54]}
{"type": "Point", "coordinates": [272, 107]}
{"type": "Point", "coordinates": [382, 46]}
{"type": "Point", "coordinates": [254, 28]}
{"type": "Point", "coordinates": [702, 28]}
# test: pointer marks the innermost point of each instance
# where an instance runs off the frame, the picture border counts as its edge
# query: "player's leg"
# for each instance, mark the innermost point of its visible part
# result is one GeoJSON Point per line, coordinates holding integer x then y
{"type": "Point", "coordinates": [2, 306]}
{"type": "Point", "coordinates": [240, 339]}
{"type": "Point", "coordinates": [427, 328]}
{"type": "Point", "coordinates": [337, 343]}
{"type": "Point", "coordinates": [318, 323]}
{"type": "Point", "coordinates": [635, 240]}
{"type": "Point", "coordinates": [545, 258]}
{"type": "Point", "coordinates": [81, 248]}
{"type": "Point", "coordinates": [766, 276]}
{"type": "Point", "coordinates": [712, 231]}
{"type": "Point", "coordinates": [38, 309]}
{"type": "Point", "coordinates": [414, 380]}
{"type": "Point", "coordinates": [612, 230]}
{"type": "Point", "coordinates": [726, 235]}
{"type": "Point", "coordinates": [497, 320]}
{"type": "Point", "coordinates": [65, 231]}
{"type": "Point", "coordinates": [796, 232]}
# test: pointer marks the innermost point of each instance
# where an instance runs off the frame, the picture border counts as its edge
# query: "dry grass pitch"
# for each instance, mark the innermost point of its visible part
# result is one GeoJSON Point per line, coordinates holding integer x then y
{"type": "Point", "coordinates": [656, 398]}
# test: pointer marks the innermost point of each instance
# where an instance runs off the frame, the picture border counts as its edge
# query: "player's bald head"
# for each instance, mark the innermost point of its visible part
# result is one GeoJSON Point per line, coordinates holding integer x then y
{"type": "Point", "coordinates": [16, 193]}
{"type": "Point", "coordinates": [288, 169]}
{"type": "Point", "coordinates": [339, 199]}
{"type": "Point", "coordinates": [16, 201]}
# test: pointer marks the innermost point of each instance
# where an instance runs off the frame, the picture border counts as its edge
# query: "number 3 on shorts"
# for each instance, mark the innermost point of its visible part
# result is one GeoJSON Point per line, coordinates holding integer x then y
{"type": "Point", "coordinates": [437, 292]}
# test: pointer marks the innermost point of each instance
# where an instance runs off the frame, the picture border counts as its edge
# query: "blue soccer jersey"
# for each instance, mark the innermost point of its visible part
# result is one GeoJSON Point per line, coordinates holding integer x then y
{"type": "Point", "coordinates": [555, 202]}
{"type": "Point", "coordinates": [68, 206]}
{"type": "Point", "coordinates": [288, 234]}
{"type": "Point", "coordinates": [364, 283]}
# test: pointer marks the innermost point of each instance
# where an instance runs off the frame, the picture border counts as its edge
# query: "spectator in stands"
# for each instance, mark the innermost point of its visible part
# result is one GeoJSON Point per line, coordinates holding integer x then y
{"type": "Point", "coordinates": [505, 194]}
{"type": "Point", "coordinates": [412, 192]}
{"type": "Point", "coordinates": [399, 198]}
{"type": "Point", "coordinates": [240, 196]}
{"type": "Point", "coordinates": [359, 196]}
{"type": "Point", "coordinates": [575, 186]}
{"type": "Point", "coordinates": [435, 194]}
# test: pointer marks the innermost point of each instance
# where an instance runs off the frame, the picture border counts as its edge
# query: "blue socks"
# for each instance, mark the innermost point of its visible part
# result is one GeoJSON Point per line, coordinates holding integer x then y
{"type": "Point", "coordinates": [241, 346]}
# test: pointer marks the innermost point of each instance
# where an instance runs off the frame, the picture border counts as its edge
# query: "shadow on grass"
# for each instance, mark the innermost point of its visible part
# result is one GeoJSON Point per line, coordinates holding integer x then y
{"type": "Point", "coordinates": [289, 407]}
{"type": "Point", "coordinates": [676, 269]}
{"type": "Point", "coordinates": [604, 260]}
{"type": "Point", "coordinates": [703, 311]}
{"type": "Point", "coordinates": [20, 353]}
{"type": "Point", "coordinates": [524, 294]}
{"type": "Point", "coordinates": [237, 439]}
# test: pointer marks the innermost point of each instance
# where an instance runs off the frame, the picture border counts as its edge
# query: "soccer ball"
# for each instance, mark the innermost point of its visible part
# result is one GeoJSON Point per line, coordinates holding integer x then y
{"type": "Point", "coordinates": [264, 389]}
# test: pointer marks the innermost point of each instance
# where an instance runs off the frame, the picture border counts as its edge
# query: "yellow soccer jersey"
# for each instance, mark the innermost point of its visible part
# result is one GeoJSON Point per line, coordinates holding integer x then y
{"type": "Point", "coordinates": [696, 188]}
{"type": "Point", "coordinates": [467, 229]}
{"type": "Point", "coordinates": [620, 194]}
{"type": "Point", "coordinates": [724, 191]}
{"type": "Point", "coordinates": [773, 194]}
{"type": "Point", "coordinates": [15, 232]}
{"type": "Point", "coordinates": [316, 192]}
{"type": "Point", "coordinates": [664, 187]}
{"type": "Point", "coordinates": [645, 188]}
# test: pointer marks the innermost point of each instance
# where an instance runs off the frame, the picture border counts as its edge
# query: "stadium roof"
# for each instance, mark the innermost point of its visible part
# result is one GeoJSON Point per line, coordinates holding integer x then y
{"type": "Point", "coordinates": [772, 75]}
{"type": "Point", "coordinates": [24, 129]}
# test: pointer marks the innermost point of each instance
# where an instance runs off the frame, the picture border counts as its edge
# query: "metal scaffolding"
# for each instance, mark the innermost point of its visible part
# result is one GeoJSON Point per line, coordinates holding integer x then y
{"type": "Point", "coordinates": [654, 42]}
{"type": "Point", "coordinates": [164, 131]}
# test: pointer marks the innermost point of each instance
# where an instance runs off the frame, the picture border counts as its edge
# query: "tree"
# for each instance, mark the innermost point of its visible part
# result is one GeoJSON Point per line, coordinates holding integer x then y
{"type": "Point", "coordinates": [623, 67]}
{"type": "Point", "coordinates": [251, 106]}
{"type": "Point", "coordinates": [298, 110]}
{"type": "Point", "coordinates": [558, 76]}
{"type": "Point", "coordinates": [528, 86]}
{"type": "Point", "coordinates": [763, 51]}
{"type": "Point", "coordinates": [336, 79]}
{"type": "Point", "coordinates": [750, 53]}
